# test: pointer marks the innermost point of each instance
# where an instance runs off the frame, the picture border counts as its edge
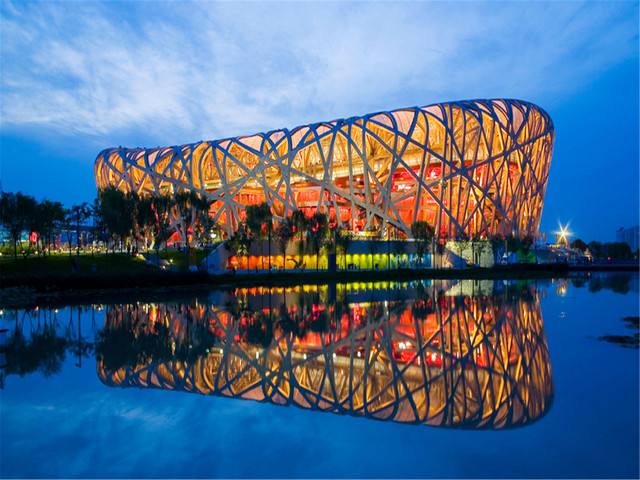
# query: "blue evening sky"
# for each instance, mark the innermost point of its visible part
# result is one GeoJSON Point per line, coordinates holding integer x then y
{"type": "Point", "coordinates": [78, 77]}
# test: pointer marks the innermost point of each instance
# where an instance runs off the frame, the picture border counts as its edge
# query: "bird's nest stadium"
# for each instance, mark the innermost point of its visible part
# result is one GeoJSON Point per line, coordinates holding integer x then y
{"type": "Point", "coordinates": [469, 168]}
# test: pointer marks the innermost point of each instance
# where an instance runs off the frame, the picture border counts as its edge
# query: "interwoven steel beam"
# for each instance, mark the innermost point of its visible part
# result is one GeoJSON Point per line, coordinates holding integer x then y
{"type": "Point", "coordinates": [469, 168]}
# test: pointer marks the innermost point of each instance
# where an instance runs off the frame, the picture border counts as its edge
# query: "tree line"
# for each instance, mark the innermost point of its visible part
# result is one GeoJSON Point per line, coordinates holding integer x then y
{"type": "Point", "coordinates": [313, 233]}
{"type": "Point", "coordinates": [605, 250]}
{"type": "Point", "coordinates": [123, 221]}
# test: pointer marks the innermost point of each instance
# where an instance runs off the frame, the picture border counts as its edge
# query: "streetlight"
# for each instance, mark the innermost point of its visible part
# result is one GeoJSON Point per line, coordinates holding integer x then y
{"type": "Point", "coordinates": [563, 234]}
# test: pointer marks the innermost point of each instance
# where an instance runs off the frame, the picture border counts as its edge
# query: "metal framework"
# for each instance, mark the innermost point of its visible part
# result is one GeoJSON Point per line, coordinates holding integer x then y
{"type": "Point", "coordinates": [447, 360]}
{"type": "Point", "coordinates": [469, 168]}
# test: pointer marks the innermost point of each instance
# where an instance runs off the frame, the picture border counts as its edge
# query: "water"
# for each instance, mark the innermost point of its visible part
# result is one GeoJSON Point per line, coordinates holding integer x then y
{"type": "Point", "coordinates": [420, 379]}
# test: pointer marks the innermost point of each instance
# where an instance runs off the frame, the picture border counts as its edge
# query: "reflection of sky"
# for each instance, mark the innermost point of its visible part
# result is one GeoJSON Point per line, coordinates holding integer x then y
{"type": "Point", "coordinates": [72, 425]}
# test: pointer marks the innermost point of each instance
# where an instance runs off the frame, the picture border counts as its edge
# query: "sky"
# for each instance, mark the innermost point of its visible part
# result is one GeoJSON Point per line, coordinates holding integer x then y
{"type": "Point", "coordinates": [78, 77]}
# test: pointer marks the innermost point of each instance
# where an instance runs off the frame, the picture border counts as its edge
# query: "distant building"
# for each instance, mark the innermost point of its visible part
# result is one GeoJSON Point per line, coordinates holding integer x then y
{"type": "Point", "coordinates": [629, 236]}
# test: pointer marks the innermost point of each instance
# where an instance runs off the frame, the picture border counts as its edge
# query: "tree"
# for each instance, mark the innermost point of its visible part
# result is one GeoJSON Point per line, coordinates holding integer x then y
{"type": "Point", "coordinates": [116, 211]}
{"type": "Point", "coordinates": [618, 251]}
{"type": "Point", "coordinates": [596, 249]}
{"type": "Point", "coordinates": [190, 207]}
{"type": "Point", "coordinates": [162, 210]}
{"type": "Point", "coordinates": [578, 244]}
{"type": "Point", "coordinates": [49, 214]}
{"type": "Point", "coordinates": [99, 227]}
{"type": "Point", "coordinates": [240, 242]}
{"type": "Point", "coordinates": [145, 219]}
{"type": "Point", "coordinates": [422, 233]}
{"type": "Point", "coordinates": [79, 214]}
{"type": "Point", "coordinates": [318, 228]}
{"type": "Point", "coordinates": [284, 234]}
{"type": "Point", "coordinates": [341, 243]}
{"type": "Point", "coordinates": [16, 210]}
{"type": "Point", "coordinates": [299, 220]}
{"type": "Point", "coordinates": [260, 223]}
{"type": "Point", "coordinates": [204, 224]}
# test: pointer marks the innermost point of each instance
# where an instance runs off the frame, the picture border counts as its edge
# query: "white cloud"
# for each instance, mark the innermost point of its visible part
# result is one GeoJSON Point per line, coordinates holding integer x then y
{"type": "Point", "coordinates": [174, 73]}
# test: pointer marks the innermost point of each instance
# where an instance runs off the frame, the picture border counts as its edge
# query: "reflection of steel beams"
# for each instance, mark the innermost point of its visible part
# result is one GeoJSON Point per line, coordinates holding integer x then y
{"type": "Point", "coordinates": [473, 167]}
{"type": "Point", "coordinates": [446, 361]}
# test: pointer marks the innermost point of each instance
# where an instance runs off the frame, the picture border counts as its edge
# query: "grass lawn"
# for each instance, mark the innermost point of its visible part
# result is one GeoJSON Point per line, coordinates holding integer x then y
{"type": "Point", "coordinates": [63, 264]}
{"type": "Point", "coordinates": [107, 263]}
{"type": "Point", "coordinates": [179, 259]}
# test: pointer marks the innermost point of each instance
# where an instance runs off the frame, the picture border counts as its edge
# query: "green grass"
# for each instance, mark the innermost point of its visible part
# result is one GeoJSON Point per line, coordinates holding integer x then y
{"type": "Point", "coordinates": [179, 259]}
{"type": "Point", "coordinates": [63, 264]}
{"type": "Point", "coordinates": [107, 263]}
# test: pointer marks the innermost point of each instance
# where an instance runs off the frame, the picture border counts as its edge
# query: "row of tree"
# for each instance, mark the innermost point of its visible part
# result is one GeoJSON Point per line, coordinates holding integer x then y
{"type": "Point", "coordinates": [313, 233]}
{"type": "Point", "coordinates": [130, 221]}
{"type": "Point", "coordinates": [605, 250]}
{"type": "Point", "coordinates": [135, 221]}
{"type": "Point", "coordinates": [21, 213]}
{"type": "Point", "coordinates": [121, 220]}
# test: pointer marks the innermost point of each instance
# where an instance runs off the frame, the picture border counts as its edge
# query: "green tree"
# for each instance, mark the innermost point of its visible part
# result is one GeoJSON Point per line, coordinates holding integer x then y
{"type": "Point", "coordinates": [145, 219]}
{"type": "Point", "coordinates": [618, 251]}
{"type": "Point", "coordinates": [317, 230]}
{"type": "Point", "coordinates": [16, 210]}
{"type": "Point", "coordinates": [162, 206]}
{"type": "Point", "coordinates": [79, 215]}
{"type": "Point", "coordinates": [283, 234]}
{"type": "Point", "coordinates": [50, 215]}
{"type": "Point", "coordinates": [422, 233]}
{"type": "Point", "coordinates": [596, 249]}
{"type": "Point", "coordinates": [342, 240]}
{"type": "Point", "coordinates": [99, 227]}
{"type": "Point", "coordinates": [117, 214]}
{"type": "Point", "coordinates": [190, 207]}
{"type": "Point", "coordinates": [240, 242]}
{"type": "Point", "coordinates": [300, 222]}
{"type": "Point", "coordinates": [260, 223]}
{"type": "Point", "coordinates": [578, 244]}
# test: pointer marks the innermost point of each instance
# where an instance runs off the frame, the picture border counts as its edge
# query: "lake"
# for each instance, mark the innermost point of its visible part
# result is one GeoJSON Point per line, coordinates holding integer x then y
{"type": "Point", "coordinates": [430, 378]}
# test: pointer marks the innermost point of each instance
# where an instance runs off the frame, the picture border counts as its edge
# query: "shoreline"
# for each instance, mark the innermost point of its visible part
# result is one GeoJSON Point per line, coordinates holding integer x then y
{"type": "Point", "coordinates": [24, 291]}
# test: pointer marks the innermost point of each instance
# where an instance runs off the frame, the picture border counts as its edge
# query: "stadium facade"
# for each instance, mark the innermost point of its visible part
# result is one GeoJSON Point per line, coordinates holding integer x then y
{"type": "Point", "coordinates": [470, 169]}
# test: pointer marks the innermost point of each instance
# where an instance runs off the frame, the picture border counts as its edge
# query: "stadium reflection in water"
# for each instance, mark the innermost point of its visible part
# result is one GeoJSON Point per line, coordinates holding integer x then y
{"type": "Point", "coordinates": [465, 354]}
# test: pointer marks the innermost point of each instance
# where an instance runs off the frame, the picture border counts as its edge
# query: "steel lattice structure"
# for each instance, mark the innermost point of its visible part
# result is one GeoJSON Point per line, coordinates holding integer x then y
{"type": "Point", "coordinates": [449, 360]}
{"type": "Point", "coordinates": [469, 168]}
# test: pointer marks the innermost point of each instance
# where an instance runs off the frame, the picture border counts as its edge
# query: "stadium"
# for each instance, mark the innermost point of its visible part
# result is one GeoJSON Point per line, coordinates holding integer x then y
{"type": "Point", "coordinates": [471, 169]}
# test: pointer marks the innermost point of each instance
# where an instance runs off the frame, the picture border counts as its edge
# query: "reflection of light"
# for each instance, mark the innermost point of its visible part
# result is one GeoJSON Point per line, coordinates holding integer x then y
{"type": "Point", "coordinates": [562, 290]}
{"type": "Point", "coordinates": [511, 357]}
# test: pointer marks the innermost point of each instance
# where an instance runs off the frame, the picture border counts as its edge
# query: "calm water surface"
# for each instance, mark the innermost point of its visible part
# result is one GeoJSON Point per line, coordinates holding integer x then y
{"type": "Point", "coordinates": [420, 379]}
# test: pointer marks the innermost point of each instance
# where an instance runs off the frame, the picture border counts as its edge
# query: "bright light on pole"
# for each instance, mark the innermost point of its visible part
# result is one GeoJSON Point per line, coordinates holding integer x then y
{"type": "Point", "coordinates": [563, 234]}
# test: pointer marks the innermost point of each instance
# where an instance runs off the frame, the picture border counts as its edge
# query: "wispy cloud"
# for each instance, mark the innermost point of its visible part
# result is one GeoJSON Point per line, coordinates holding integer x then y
{"type": "Point", "coordinates": [174, 73]}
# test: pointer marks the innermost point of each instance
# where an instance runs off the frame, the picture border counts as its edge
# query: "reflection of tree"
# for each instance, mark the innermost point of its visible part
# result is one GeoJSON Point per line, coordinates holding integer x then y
{"type": "Point", "coordinates": [616, 282]}
{"type": "Point", "coordinates": [133, 341]}
{"type": "Point", "coordinates": [626, 341]}
{"type": "Point", "coordinates": [44, 352]}
{"type": "Point", "coordinates": [258, 329]}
